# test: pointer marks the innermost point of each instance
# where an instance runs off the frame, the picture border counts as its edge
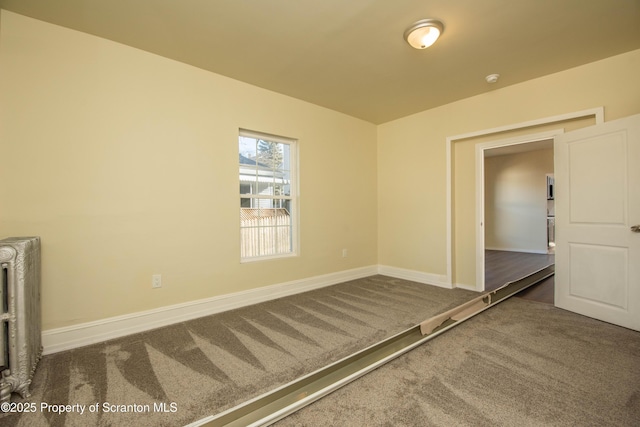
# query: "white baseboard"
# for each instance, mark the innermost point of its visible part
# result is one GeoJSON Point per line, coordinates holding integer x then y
{"type": "Point", "coordinates": [527, 251]}
{"type": "Point", "coordinates": [60, 339]}
{"type": "Point", "coordinates": [415, 276]}
{"type": "Point", "coordinates": [467, 287]}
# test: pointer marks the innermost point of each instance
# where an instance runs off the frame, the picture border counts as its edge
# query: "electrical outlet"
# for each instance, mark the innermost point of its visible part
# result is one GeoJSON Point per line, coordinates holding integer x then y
{"type": "Point", "coordinates": [156, 281]}
{"type": "Point", "coordinates": [344, 253]}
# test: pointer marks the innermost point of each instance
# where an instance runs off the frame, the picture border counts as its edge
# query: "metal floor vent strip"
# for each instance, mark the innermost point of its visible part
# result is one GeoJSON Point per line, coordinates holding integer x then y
{"type": "Point", "coordinates": [277, 404]}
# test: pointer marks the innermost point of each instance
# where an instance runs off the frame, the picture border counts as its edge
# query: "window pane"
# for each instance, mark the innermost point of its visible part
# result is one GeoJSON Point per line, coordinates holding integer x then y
{"type": "Point", "coordinates": [265, 227]}
{"type": "Point", "coordinates": [269, 241]}
{"type": "Point", "coordinates": [278, 189]}
{"type": "Point", "coordinates": [249, 242]}
{"type": "Point", "coordinates": [286, 190]}
{"type": "Point", "coordinates": [286, 157]}
{"type": "Point", "coordinates": [282, 239]}
{"type": "Point", "coordinates": [270, 154]}
{"type": "Point", "coordinates": [247, 147]}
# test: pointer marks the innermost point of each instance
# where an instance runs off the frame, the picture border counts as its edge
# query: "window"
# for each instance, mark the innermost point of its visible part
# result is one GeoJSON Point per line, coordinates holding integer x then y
{"type": "Point", "coordinates": [268, 196]}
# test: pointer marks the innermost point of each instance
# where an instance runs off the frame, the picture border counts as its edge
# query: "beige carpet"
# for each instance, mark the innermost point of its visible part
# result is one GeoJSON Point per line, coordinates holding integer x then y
{"type": "Point", "coordinates": [520, 363]}
{"type": "Point", "coordinates": [201, 367]}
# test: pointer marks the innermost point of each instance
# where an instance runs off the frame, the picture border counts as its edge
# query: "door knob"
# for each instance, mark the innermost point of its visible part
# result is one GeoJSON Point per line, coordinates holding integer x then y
{"type": "Point", "coordinates": [635, 228]}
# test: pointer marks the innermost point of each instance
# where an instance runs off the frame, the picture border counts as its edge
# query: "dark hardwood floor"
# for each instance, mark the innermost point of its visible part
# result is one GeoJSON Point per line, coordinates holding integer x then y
{"type": "Point", "coordinates": [541, 292]}
{"type": "Point", "coordinates": [505, 266]}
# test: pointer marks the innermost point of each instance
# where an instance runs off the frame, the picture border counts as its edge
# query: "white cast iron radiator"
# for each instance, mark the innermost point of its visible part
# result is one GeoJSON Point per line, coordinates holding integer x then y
{"type": "Point", "coordinates": [20, 339]}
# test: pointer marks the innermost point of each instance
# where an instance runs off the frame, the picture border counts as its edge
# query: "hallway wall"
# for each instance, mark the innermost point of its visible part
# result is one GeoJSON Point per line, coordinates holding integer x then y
{"type": "Point", "coordinates": [516, 201]}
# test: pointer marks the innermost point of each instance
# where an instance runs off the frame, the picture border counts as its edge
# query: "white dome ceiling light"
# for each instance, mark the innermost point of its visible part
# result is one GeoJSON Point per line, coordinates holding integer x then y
{"type": "Point", "coordinates": [492, 78]}
{"type": "Point", "coordinates": [423, 33]}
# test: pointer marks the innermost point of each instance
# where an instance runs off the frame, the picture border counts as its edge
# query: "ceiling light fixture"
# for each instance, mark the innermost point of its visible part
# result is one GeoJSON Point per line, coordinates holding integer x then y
{"type": "Point", "coordinates": [423, 33]}
{"type": "Point", "coordinates": [492, 78]}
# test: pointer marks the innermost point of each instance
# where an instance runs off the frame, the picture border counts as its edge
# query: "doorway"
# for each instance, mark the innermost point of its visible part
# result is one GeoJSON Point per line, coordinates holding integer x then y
{"type": "Point", "coordinates": [461, 274]}
{"type": "Point", "coordinates": [513, 209]}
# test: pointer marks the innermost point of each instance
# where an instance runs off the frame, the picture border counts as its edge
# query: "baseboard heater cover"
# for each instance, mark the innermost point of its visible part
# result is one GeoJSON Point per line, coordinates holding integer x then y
{"type": "Point", "coordinates": [285, 400]}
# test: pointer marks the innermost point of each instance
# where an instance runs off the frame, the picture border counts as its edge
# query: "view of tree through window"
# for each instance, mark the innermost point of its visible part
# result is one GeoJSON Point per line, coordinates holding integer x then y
{"type": "Point", "coordinates": [266, 196]}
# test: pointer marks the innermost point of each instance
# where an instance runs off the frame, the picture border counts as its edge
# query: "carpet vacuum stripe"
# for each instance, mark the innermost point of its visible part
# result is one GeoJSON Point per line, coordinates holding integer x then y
{"type": "Point", "coordinates": [277, 404]}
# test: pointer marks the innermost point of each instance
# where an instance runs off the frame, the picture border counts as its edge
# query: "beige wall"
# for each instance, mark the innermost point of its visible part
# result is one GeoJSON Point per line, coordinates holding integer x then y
{"type": "Point", "coordinates": [515, 201]}
{"type": "Point", "coordinates": [126, 164]}
{"type": "Point", "coordinates": [412, 158]}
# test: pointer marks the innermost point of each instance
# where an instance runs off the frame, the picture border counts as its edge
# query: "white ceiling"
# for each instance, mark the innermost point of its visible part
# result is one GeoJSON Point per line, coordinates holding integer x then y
{"type": "Point", "coordinates": [349, 55]}
{"type": "Point", "coordinates": [546, 144]}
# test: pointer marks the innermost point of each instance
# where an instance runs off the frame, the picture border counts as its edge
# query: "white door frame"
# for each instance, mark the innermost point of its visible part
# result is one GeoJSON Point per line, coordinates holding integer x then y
{"type": "Point", "coordinates": [597, 113]}
{"type": "Point", "coordinates": [480, 220]}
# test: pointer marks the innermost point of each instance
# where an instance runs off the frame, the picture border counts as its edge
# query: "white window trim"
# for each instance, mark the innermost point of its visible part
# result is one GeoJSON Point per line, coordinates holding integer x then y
{"type": "Point", "coordinates": [293, 197]}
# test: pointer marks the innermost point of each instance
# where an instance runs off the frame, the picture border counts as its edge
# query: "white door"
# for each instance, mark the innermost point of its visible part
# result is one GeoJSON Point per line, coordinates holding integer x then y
{"type": "Point", "coordinates": [597, 180]}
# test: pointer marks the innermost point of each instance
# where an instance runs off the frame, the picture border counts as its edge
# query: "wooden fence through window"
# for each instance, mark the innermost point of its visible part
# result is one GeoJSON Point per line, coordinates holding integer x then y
{"type": "Point", "coordinates": [264, 232]}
